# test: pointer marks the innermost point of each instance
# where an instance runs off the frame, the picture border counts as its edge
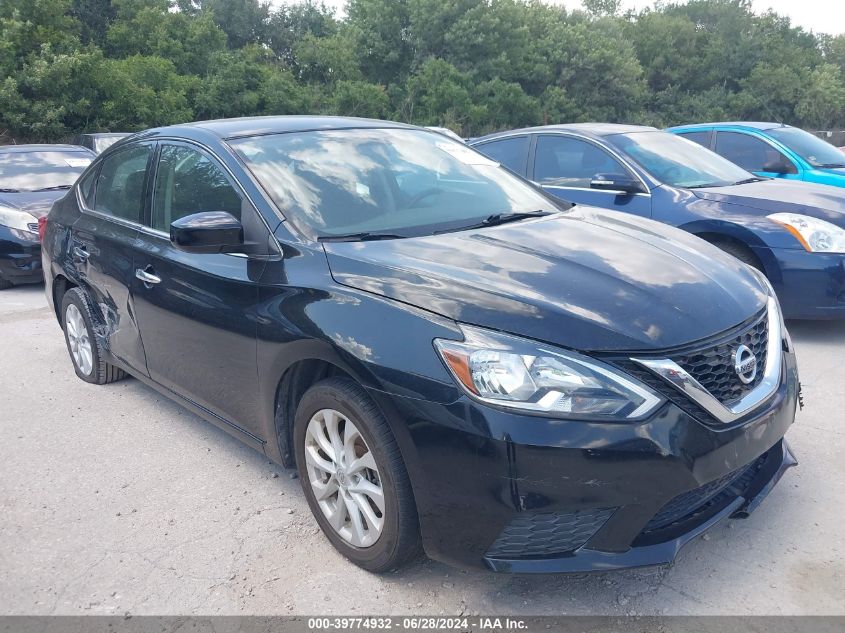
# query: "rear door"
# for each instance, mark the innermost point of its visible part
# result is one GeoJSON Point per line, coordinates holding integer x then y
{"type": "Point", "coordinates": [565, 165]}
{"type": "Point", "coordinates": [198, 320]}
{"type": "Point", "coordinates": [510, 152]}
{"type": "Point", "coordinates": [702, 137]}
{"type": "Point", "coordinates": [103, 239]}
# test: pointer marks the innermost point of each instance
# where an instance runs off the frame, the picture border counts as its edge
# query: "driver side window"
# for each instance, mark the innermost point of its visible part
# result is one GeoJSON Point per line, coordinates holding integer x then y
{"type": "Point", "coordinates": [563, 161]}
{"type": "Point", "coordinates": [189, 182]}
{"type": "Point", "coordinates": [750, 153]}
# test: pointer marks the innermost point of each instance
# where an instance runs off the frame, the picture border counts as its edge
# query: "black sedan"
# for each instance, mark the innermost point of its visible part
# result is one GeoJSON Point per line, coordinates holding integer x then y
{"type": "Point", "coordinates": [447, 355]}
{"type": "Point", "coordinates": [32, 177]}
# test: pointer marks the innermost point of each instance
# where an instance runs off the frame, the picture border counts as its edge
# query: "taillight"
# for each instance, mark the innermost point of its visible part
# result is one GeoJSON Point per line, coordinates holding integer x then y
{"type": "Point", "coordinates": [42, 227]}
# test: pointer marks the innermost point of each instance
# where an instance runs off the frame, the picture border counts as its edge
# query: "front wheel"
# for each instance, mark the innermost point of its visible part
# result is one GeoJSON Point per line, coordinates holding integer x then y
{"type": "Point", "coordinates": [353, 476]}
{"type": "Point", "coordinates": [741, 252]}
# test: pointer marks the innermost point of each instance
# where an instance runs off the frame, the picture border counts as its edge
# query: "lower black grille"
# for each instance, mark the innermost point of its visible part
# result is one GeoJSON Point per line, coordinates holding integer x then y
{"type": "Point", "coordinates": [713, 367]}
{"type": "Point", "coordinates": [692, 502]}
{"type": "Point", "coordinates": [535, 534]}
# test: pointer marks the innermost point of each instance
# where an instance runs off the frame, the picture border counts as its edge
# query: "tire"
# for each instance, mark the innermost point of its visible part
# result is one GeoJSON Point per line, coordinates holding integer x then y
{"type": "Point", "coordinates": [4, 284]}
{"type": "Point", "coordinates": [86, 352]}
{"type": "Point", "coordinates": [396, 540]}
{"type": "Point", "coordinates": [741, 252]}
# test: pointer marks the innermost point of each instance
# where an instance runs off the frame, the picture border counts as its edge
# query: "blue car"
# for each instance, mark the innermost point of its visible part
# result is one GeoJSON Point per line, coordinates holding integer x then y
{"type": "Point", "coordinates": [792, 231]}
{"type": "Point", "coordinates": [773, 150]}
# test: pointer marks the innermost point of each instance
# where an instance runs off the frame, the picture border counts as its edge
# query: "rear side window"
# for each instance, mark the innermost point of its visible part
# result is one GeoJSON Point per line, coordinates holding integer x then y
{"type": "Point", "coordinates": [86, 186]}
{"type": "Point", "coordinates": [120, 184]}
{"type": "Point", "coordinates": [702, 138]}
{"type": "Point", "coordinates": [189, 182]}
{"type": "Point", "coordinates": [510, 152]}
{"type": "Point", "coordinates": [748, 151]}
{"type": "Point", "coordinates": [570, 162]}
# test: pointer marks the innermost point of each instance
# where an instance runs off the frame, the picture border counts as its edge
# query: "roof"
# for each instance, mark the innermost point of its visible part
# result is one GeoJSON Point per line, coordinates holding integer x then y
{"type": "Point", "coordinates": [756, 125]}
{"type": "Point", "coordinates": [587, 129]}
{"type": "Point", "coordinates": [107, 134]}
{"type": "Point", "coordinates": [253, 126]}
{"type": "Point", "coordinates": [42, 147]}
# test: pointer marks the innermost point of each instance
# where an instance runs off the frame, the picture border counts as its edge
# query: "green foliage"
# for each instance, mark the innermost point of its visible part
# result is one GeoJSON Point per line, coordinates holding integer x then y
{"type": "Point", "coordinates": [471, 65]}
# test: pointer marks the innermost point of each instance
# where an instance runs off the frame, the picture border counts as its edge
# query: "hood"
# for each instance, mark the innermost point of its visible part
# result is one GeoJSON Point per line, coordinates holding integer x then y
{"type": "Point", "coordinates": [37, 203]}
{"type": "Point", "coordinates": [774, 196]}
{"type": "Point", "coordinates": [835, 171]}
{"type": "Point", "coordinates": [585, 279]}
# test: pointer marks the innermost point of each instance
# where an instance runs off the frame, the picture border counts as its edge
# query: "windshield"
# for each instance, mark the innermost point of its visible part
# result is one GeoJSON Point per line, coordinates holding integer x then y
{"type": "Point", "coordinates": [401, 181]}
{"type": "Point", "coordinates": [817, 152]}
{"type": "Point", "coordinates": [35, 171]}
{"type": "Point", "coordinates": [677, 161]}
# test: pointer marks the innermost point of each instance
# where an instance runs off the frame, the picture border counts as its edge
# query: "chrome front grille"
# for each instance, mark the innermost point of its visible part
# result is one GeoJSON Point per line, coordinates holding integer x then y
{"type": "Point", "coordinates": [703, 379]}
{"type": "Point", "coordinates": [713, 366]}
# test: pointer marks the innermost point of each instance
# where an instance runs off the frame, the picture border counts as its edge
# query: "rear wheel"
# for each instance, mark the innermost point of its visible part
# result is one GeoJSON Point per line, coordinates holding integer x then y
{"type": "Point", "coordinates": [353, 476]}
{"type": "Point", "coordinates": [85, 350]}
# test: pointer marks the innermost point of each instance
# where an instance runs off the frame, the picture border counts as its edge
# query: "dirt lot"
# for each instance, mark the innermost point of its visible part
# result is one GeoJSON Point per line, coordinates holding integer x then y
{"type": "Point", "coordinates": [115, 500]}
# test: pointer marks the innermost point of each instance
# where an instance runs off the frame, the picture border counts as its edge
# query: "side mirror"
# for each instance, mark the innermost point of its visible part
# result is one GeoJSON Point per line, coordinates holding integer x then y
{"type": "Point", "coordinates": [616, 182]}
{"type": "Point", "coordinates": [780, 166]}
{"type": "Point", "coordinates": [207, 232]}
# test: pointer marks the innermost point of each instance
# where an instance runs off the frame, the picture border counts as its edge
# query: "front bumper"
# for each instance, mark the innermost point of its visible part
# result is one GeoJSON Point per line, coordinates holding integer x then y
{"type": "Point", "coordinates": [20, 261]}
{"type": "Point", "coordinates": [530, 494]}
{"type": "Point", "coordinates": [808, 285]}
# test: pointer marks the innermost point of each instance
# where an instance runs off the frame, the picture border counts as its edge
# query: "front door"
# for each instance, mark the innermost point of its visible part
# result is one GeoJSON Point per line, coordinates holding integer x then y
{"type": "Point", "coordinates": [198, 312]}
{"type": "Point", "coordinates": [756, 155]}
{"type": "Point", "coordinates": [102, 242]}
{"type": "Point", "coordinates": [564, 166]}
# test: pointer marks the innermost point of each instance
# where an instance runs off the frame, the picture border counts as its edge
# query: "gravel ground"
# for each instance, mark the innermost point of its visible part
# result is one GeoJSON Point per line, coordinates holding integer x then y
{"type": "Point", "coordinates": [114, 499]}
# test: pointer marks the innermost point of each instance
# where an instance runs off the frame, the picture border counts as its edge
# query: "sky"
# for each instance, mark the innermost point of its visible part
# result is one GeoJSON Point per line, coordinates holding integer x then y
{"type": "Point", "coordinates": [820, 16]}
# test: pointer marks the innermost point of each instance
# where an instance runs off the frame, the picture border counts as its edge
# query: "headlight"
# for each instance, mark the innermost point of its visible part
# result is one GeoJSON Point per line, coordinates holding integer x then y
{"type": "Point", "coordinates": [15, 219]}
{"type": "Point", "coordinates": [817, 236]}
{"type": "Point", "coordinates": [518, 374]}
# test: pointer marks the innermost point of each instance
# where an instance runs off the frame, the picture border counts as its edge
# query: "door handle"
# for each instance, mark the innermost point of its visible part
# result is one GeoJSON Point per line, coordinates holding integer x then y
{"type": "Point", "coordinates": [80, 253]}
{"type": "Point", "coordinates": [147, 277]}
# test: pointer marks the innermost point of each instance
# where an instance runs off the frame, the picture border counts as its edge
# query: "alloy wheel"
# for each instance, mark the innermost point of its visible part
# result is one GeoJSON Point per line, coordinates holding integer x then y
{"type": "Point", "coordinates": [77, 336]}
{"type": "Point", "coordinates": [344, 478]}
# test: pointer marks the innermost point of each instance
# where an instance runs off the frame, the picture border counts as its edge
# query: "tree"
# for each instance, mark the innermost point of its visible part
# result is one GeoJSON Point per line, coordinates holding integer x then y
{"type": "Point", "coordinates": [244, 21]}
{"type": "Point", "coordinates": [94, 17]}
{"type": "Point", "coordinates": [438, 94]}
{"type": "Point", "coordinates": [822, 103]}
{"type": "Point", "coordinates": [292, 23]}
{"type": "Point", "coordinates": [358, 98]}
{"type": "Point", "coordinates": [380, 31]}
{"type": "Point", "coordinates": [327, 59]}
{"type": "Point", "coordinates": [475, 66]}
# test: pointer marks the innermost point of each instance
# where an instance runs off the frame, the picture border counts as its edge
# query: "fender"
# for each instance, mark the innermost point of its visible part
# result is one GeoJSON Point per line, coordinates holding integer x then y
{"type": "Point", "coordinates": [707, 229]}
{"type": "Point", "coordinates": [384, 345]}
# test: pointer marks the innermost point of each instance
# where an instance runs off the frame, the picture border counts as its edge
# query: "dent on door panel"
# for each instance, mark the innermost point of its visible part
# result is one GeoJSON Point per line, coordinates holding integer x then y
{"type": "Point", "coordinates": [105, 269]}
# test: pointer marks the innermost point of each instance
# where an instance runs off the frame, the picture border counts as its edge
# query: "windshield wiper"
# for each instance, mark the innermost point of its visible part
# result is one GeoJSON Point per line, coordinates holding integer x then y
{"type": "Point", "coordinates": [499, 218]}
{"type": "Point", "coordinates": [831, 165]}
{"type": "Point", "coordinates": [10, 190]}
{"type": "Point", "coordinates": [56, 188]}
{"type": "Point", "coordinates": [360, 237]}
{"type": "Point", "coordinates": [747, 180]}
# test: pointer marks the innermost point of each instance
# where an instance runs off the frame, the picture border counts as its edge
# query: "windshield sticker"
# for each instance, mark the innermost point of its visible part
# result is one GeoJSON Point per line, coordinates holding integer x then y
{"type": "Point", "coordinates": [78, 162]}
{"type": "Point", "coordinates": [466, 155]}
